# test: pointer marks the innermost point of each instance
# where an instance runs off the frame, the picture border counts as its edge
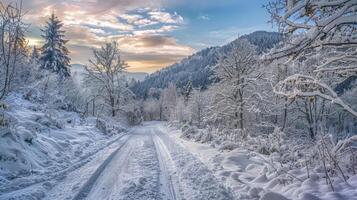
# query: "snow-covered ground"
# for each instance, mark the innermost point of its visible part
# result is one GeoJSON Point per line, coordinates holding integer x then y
{"type": "Point", "coordinates": [53, 154]}
{"type": "Point", "coordinates": [42, 145]}
{"type": "Point", "coordinates": [250, 175]}
{"type": "Point", "coordinates": [145, 163]}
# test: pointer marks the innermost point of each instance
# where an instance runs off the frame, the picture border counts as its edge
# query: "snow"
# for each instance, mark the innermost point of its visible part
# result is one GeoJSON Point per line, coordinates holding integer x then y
{"type": "Point", "coordinates": [250, 175]}
{"type": "Point", "coordinates": [54, 154]}
{"type": "Point", "coordinates": [149, 165]}
{"type": "Point", "coordinates": [272, 195]}
{"type": "Point", "coordinates": [142, 164]}
{"type": "Point", "coordinates": [41, 146]}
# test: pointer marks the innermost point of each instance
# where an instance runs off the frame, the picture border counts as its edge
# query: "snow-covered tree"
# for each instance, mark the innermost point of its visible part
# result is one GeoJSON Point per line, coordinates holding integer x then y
{"type": "Point", "coordinates": [182, 114]}
{"type": "Point", "coordinates": [105, 77]}
{"type": "Point", "coordinates": [13, 44]}
{"type": "Point", "coordinates": [169, 98]}
{"type": "Point", "coordinates": [151, 109]}
{"type": "Point", "coordinates": [54, 55]}
{"type": "Point", "coordinates": [197, 107]}
{"type": "Point", "coordinates": [236, 70]}
{"type": "Point", "coordinates": [314, 26]}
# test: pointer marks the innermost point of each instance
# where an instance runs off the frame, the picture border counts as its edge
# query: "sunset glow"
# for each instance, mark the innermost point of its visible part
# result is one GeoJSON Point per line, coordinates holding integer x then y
{"type": "Point", "coordinates": [151, 34]}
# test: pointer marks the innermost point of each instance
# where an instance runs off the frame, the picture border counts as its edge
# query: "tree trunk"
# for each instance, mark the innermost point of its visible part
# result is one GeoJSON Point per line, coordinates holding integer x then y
{"type": "Point", "coordinates": [93, 105]}
{"type": "Point", "coordinates": [285, 113]}
{"type": "Point", "coordinates": [112, 104]}
{"type": "Point", "coordinates": [241, 114]}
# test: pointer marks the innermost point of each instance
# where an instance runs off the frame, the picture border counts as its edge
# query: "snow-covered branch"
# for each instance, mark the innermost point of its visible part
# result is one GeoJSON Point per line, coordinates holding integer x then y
{"type": "Point", "coordinates": [298, 85]}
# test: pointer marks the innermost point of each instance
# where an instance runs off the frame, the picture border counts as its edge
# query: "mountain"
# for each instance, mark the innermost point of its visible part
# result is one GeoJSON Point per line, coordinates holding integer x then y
{"type": "Point", "coordinates": [198, 67]}
{"type": "Point", "coordinates": [78, 71]}
{"type": "Point", "coordinates": [138, 76]}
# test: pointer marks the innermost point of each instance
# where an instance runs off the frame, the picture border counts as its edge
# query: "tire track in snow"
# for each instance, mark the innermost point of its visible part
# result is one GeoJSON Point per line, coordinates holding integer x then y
{"type": "Point", "coordinates": [58, 175]}
{"type": "Point", "coordinates": [197, 181]}
{"type": "Point", "coordinates": [87, 187]}
{"type": "Point", "coordinates": [169, 184]}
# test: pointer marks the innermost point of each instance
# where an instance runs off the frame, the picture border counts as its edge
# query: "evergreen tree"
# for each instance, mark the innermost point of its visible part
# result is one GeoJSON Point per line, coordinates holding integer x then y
{"type": "Point", "coordinates": [54, 53]}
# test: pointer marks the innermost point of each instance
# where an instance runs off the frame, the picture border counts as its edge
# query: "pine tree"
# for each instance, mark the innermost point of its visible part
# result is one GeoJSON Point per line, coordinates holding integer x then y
{"type": "Point", "coordinates": [54, 53]}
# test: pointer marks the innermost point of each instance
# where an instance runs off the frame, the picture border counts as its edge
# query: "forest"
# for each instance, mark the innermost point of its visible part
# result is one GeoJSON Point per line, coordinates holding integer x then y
{"type": "Point", "coordinates": [289, 97]}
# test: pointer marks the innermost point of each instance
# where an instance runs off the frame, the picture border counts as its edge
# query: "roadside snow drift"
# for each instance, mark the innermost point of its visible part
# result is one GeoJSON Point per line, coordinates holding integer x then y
{"type": "Point", "coordinates": [40, 143]}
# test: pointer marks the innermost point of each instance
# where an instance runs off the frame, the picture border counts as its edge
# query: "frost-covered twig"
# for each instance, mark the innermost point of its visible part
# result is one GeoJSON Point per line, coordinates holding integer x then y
{"type": "Point", "coordinates": [322, 156]}
{"type": "Point", "coordinates": [299, 85]}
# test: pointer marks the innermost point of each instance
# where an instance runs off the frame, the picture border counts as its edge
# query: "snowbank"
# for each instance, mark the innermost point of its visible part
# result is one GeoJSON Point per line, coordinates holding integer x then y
{"type": "Point", "coordinates": [252, 175]}
{"type": "Point", "coordinates": [40, 141]}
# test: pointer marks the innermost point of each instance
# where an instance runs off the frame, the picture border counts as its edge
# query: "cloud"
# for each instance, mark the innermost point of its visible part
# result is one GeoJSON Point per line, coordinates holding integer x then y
{"type": "Point", "coordinates": [154, 44]}
{"type": "Point", "coordinates": [108, 20]}
{"type": "Point", "coordinates": [152, 52]}
{"type": "Point", "coordinates": [148, 41]}
{"type": "Point", "coordinates": [137, 20]}
{"type": "Point", "coordinates": [139, 26]}
{"type": "Point", "coordinates": [160, 30]}
{"type": "Point", "coordinates": [82, 36]}
{"type": "Point", "coordinates": [142, 53]}
{"type": "Point", "coordinates": [164, 17]}
{"type": "Point", "coordinates": [204, 17]}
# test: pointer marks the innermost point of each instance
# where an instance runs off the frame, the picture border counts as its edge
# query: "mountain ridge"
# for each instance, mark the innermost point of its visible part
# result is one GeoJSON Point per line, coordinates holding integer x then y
{"type": "Point", "coordinates": [197, 68]}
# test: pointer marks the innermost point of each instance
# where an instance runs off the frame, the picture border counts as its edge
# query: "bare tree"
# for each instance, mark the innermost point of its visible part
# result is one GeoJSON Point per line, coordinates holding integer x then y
{"type": "Point", "coordinates": [106, 75]}
{"type": "Point", "coordinates": [236, 70]}
{"type": "Point", "coordinates": [12, 43]}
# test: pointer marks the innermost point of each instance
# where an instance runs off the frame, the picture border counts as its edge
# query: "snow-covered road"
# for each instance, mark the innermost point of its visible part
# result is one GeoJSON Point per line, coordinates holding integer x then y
{"type": "Point", "coordinates": [146, 164]}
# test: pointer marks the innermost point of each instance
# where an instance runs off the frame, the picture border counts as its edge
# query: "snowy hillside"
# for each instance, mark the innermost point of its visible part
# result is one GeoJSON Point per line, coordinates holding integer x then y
{"type": "Point", "coordinates": [198, 67]}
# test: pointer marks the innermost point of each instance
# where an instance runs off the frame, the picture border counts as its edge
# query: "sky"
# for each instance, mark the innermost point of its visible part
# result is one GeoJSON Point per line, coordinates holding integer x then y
{"type": "Point", "coordinates": [151, 34]}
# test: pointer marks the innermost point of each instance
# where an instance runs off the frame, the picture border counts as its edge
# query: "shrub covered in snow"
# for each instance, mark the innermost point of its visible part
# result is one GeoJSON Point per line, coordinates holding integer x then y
{"type": "Point", "coordinates": [38, 140]}
{"type": "Point", "coordinates": [25, 134]}
{"type": "Point", "coordinates": [188, 131]}
{"type": "Point", "coordinates": [48, 121]}
{"type": "Point", "coordinates": [33, 95]}
{"type": "Point", "coordinates": [109, 126]}
{"type": "Point", "coordinates": [228, 146]}
{"type": "Point", "coordinates": [15, 151]}
{"type": "Point", "coordinates": [203, 136]}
